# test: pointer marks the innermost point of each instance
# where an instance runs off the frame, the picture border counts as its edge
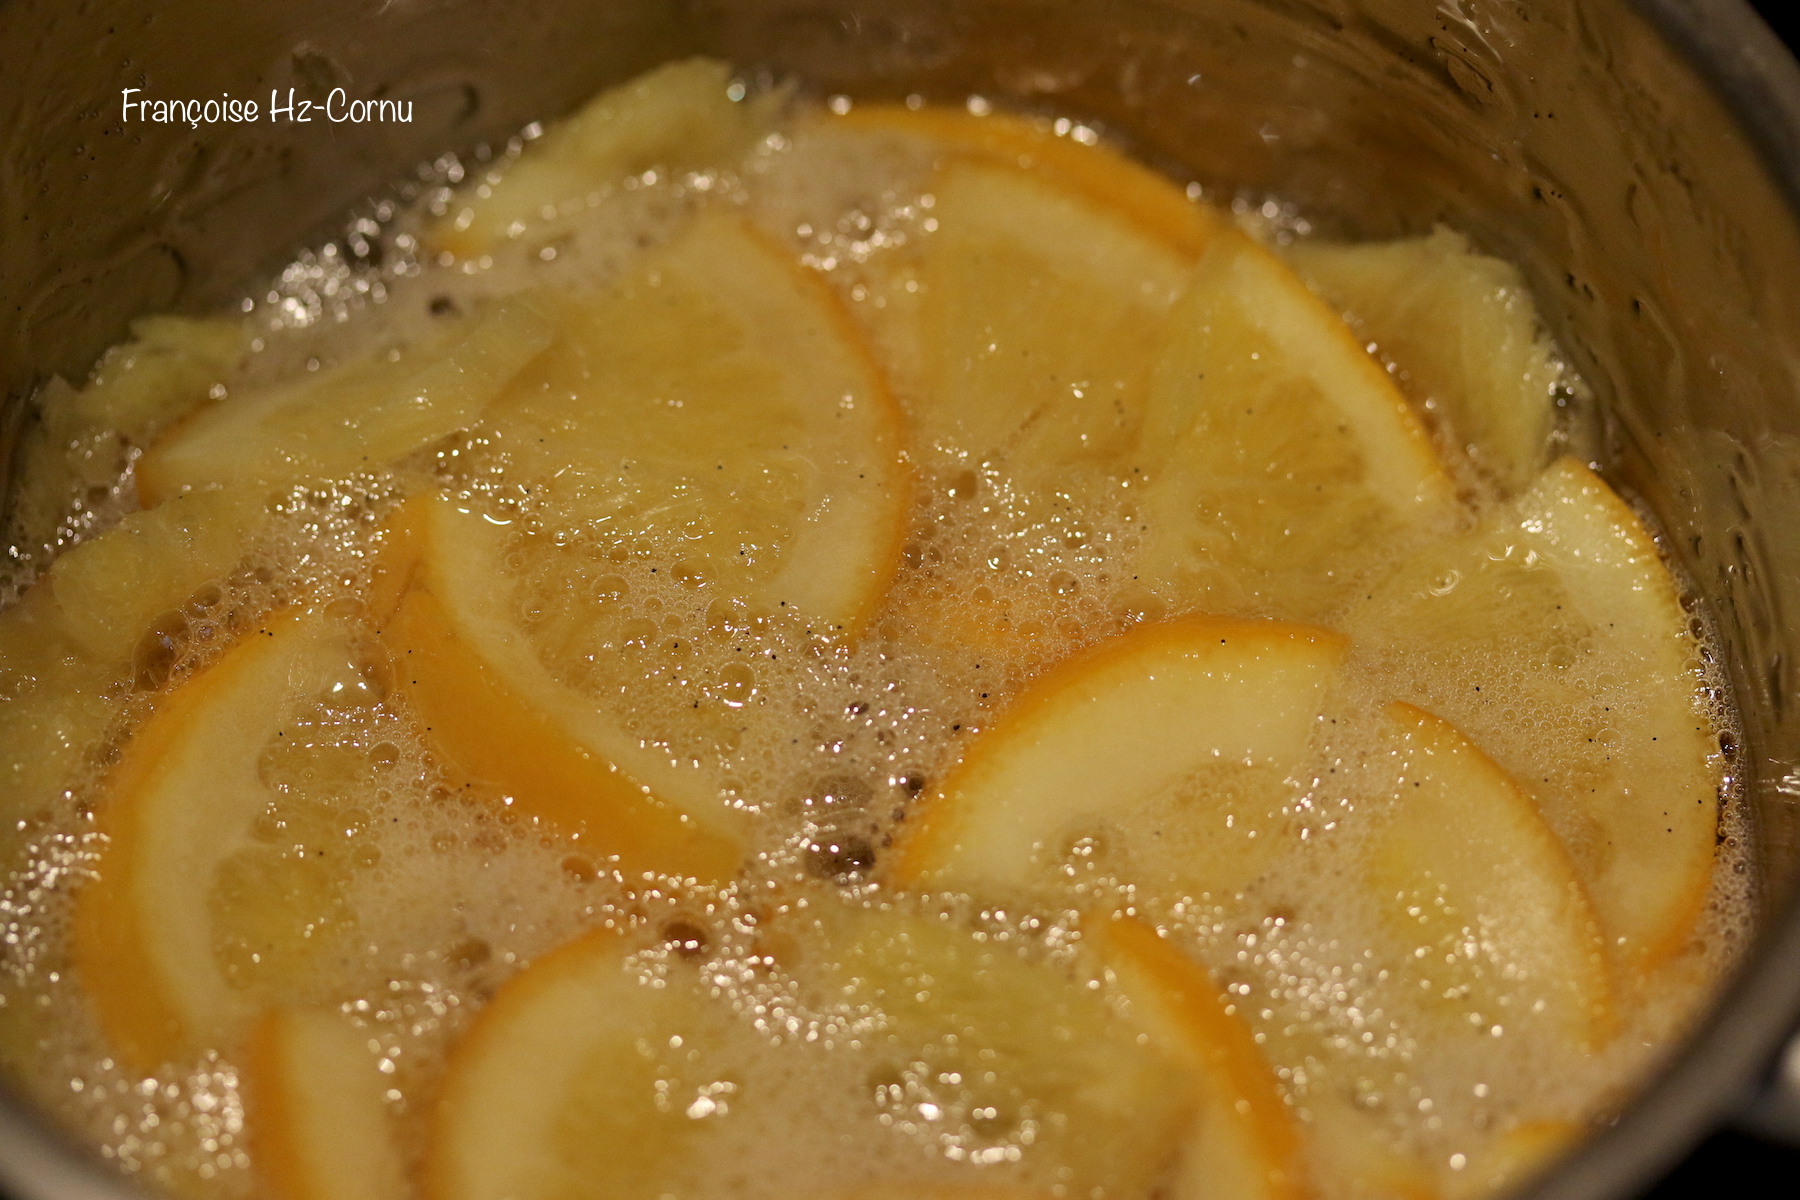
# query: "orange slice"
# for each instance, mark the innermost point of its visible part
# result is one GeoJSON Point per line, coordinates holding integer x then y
{"type": "Point", "coordinates": [351, 419]}
{"type": "Point", "coordinates": [576, 1080]}
{"type": "Point", "coordinates": [1284, 465]}
{"type": "Point", "coordinates": [1020, 329]}
{"type": "Point", "coordinates": [1481, 895]}
{"type": "Point", "coordinates": [764, 455]}
{"type": "Point", "coordinates": [490, 703]}
{"type": "Point", "coordinates": [1159, 756]}
{"type": "Point", "coordinates": [1553, 636]}
{"type": "Point", "coordinates": [1065, 154]}
{"type": "Point", "coordinates": [677, 117]}
{"type": "Point", "coordinates": [1464, 333]}
{"type": "Point", "coordinates": [318, 1123]}
{"type": "Point", "coordinates": [1245, 1144]}
{"type": "Point", "coordinates": [189, 915]}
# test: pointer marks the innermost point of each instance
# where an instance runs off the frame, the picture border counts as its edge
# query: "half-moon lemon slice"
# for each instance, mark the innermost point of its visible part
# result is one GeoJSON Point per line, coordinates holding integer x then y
{"type": "Point", "coordinates": [1284, 465]}
{"type": "Point", "coordinates": [1159, 757]}
{"type": "Point", "coordinates": [1554, 638]}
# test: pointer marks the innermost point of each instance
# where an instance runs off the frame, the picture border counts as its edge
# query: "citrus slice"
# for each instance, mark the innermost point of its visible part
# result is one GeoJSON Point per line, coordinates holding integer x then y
{"type": "Point", "coordinates": [318, 1123]}
{"type": "Point", "coordinates": [1554, 637]}
{"type": "Point", "coordinates": [215, 890]}
{"type": "Point", "coordinates": [82, 632]}
{"type": "Point", "coordinates": [82, 440]}
{"type": "Point", "coordinates": [1020, 329]}
{"type": "Point", "coordinates": [1244, 1144]}
{"type": "Point", "coordinates": [579, 1079]}
{"type": "Point", "coordinates": [992, 1056]}
{"type": "Point", "coordinates": [447, 612]}
{"type": "Point", "coordinates": [1495, 927]}
{"type": "Point", "coordinates": [1284, 465]}
{"type": "Point", "coordinates": [351, 419]}
{"type": "Point", "coordinates": [765, 455]}
{"type": "Point", "coordinates": [1064, 153]}
{"type": "Point", "coordinates": [680, 116]}
{"type": "Point", "coordinates": [1159, 757]}
{"type": "Point", "coordinates": [1464, 334]}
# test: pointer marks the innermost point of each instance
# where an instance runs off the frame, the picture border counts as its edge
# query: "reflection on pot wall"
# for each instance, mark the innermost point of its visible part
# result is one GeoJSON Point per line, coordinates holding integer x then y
{"type": "Point", "coordinates": [1564, 136]}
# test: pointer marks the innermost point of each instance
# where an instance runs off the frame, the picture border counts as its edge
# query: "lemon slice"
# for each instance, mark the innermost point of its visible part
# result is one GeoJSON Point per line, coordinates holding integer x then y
{"type": "Point", "coordinates": [577, 1080]}
{"type": "Point", "coordinates": [498, 712]}
{"type": "Point", "coordinates": [318, 1123]}
{"type": "Point", "coordinates": [1244, 1144]}
{"type": "Point", "coordinates": [1159, 756]}
{"type": "Point", "coordinates": [1463, 331]}
{"type": "Point", "coordinates": [677, 117]}
{"type": "Point", "coordinates": [1020, 329]}
{"type": "Point", "coordinates": [993, 1057]}
{"type": "Point", "coordinates": [1284, 464]}
{"type": "Point", "coordinates": [1067, 155]}
{"type": "Point", "coordinates": [765, 455]}
{"type": "Point", "coordinates": [206, 901]}
{"type": "Point", "coordinates": [1554, 638]}
{"type": "Point", "coordinates": [352, 419]}
{"type": "Point", "coordinates": [1482, 896]}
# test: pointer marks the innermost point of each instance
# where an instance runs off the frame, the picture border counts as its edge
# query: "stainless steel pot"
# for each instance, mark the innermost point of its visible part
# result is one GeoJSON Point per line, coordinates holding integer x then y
{"type": "Point", "coordinates": [1640, 160]}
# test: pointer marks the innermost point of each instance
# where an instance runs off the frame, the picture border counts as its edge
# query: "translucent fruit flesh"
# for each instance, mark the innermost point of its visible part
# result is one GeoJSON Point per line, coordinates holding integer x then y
{"type": "Point", "coordinates": [765, 456]}
{"type": "Point", "coordinates": [489, 703]}
{"type": "Point", "coordinates": [1282, 462]}
{"type": "Point", "coordinates": [352, 419]}
{"type": "Point", "coordinates": [1462, 329]}
{"type": "Point", "coordinates": [1482, 897]}
{"type": "Point", "coordinates": [314, 1096]}
{"type": "Point", "coordinates": [1164, 750]}
{"type": "Point", "coordinates": [1554, 638]}
{"type": "Point", "coordinates": [1244, 1144]}
{"type": "Point", "coordinates": [175, 950]}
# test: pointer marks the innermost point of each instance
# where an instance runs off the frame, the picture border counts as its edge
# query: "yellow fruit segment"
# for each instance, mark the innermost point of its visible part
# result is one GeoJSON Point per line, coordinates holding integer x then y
{"type": "Point", "coordinates": [92, 626]}
{"type": "Point", "coordinates": [487, 701]}
{"type": "Point", "coordinates": [1020, 330]}
{"type": "Point", "coordinates": [153, 936]}
{"type": "Point", "coordinates": [1482, 896]}
{"type": "Point", "coordinates": [83, 439]}
{"type": "Point", "coordinates": [1159, 757]}
{"type": "Point", "coordinates": [568, 1085]}
{"type": "Point", "coordinates": [109, 590]}
{"type": "Point", "coordinates": [1554, 638]}
{"type": "Point", "coordinates": [1006, 1058]}
{"type": "Point", "coordinates": [1464, 333]}
{"type": "Point", "coordinates": [314, 1105]}
{"type": "Point", "coordinates": [1244, 1144]}
{"type": "Point", "coordinates": [678, 117]}
{"type": "Point", "coordinates": [1283, 462]}
{"type": "Point", "coordinates": [351, 419]}
{"type": "Point", "coordinates": [763, 456]}
{"type": "Point", "coordinates": [1071, 159]}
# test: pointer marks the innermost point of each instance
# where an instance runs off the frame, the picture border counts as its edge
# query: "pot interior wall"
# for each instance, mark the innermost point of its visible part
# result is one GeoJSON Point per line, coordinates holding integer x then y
{"type": "Point", "coordinates": [1565, 136]}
